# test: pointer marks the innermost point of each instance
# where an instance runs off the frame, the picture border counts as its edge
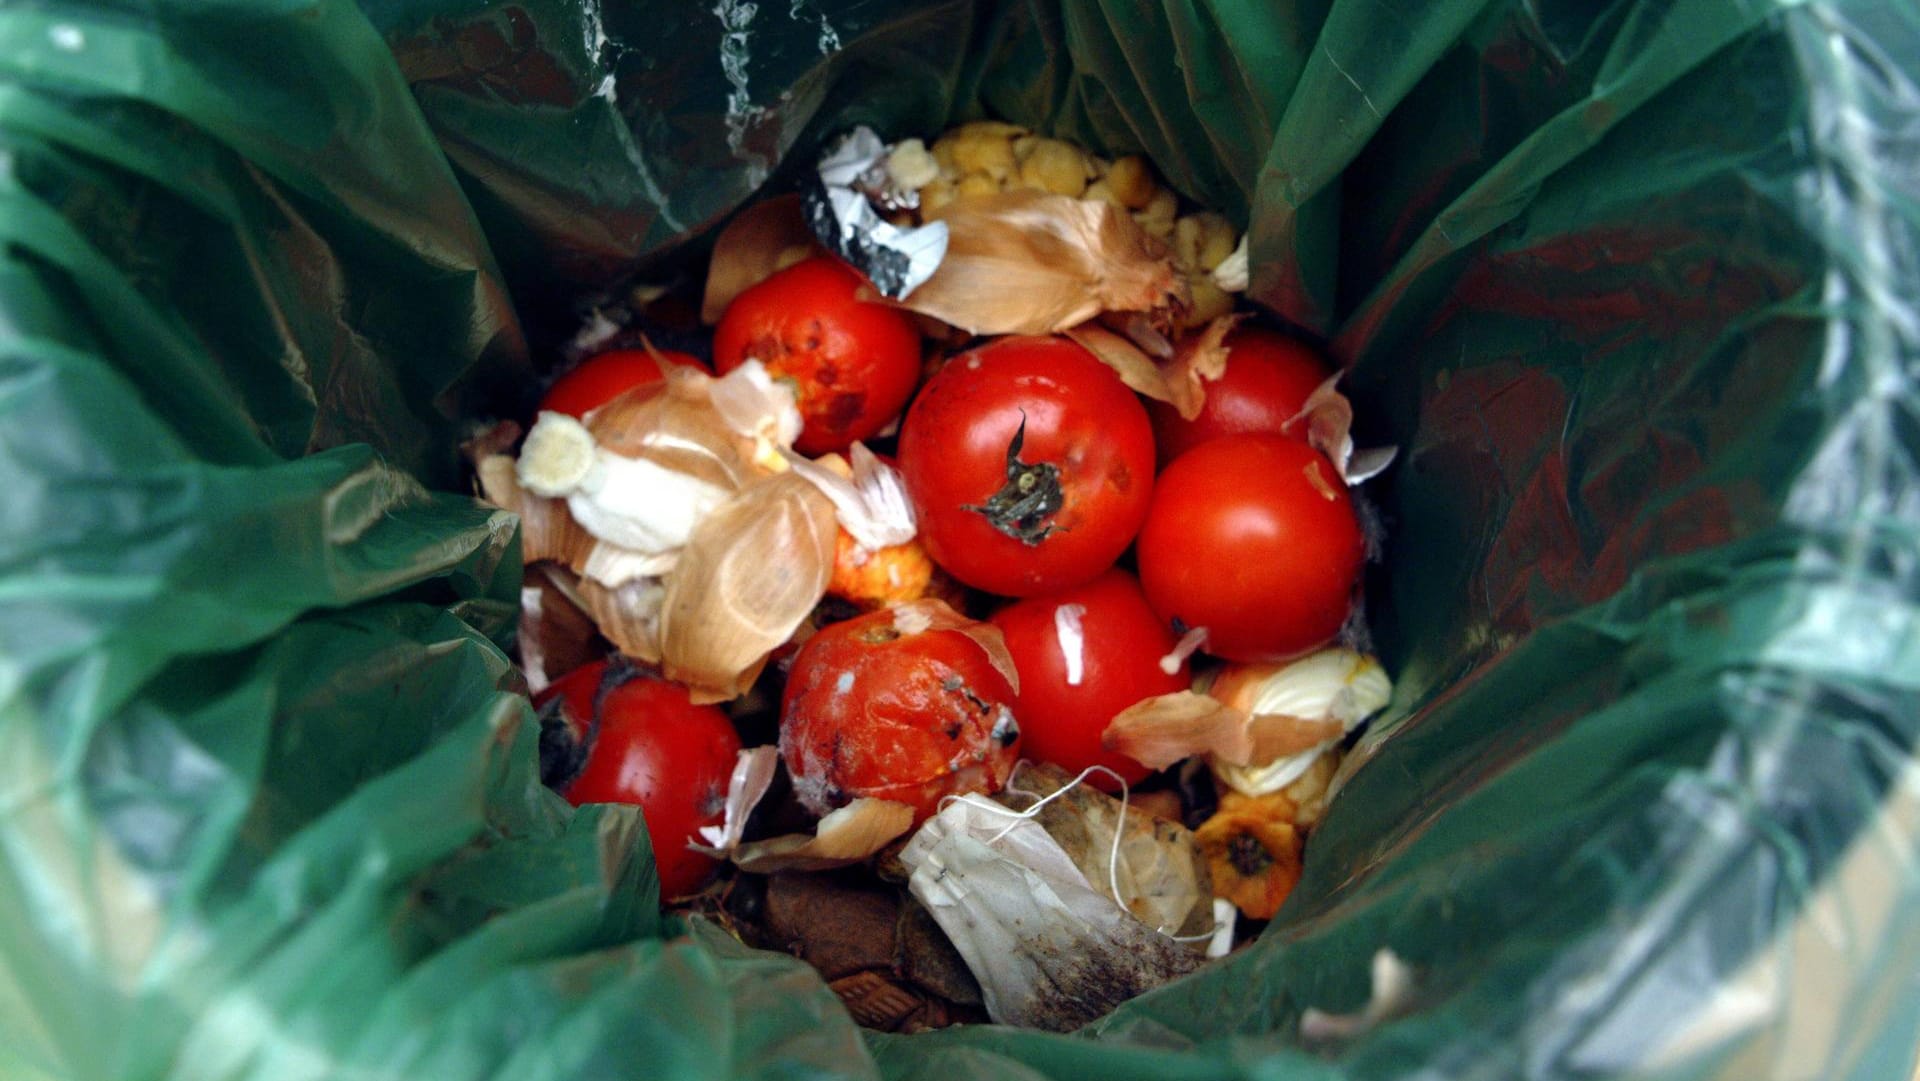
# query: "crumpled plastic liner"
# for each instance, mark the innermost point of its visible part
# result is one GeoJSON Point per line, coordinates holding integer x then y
{"type": "Point", "coordinates": [1630, 283]}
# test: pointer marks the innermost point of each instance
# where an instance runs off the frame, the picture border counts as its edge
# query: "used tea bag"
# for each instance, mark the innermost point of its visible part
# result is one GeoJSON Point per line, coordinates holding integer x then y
{"type": "Point", "coordinates": [1161, 875]}
{"type": "Point", "coordinates": [1050, 950]}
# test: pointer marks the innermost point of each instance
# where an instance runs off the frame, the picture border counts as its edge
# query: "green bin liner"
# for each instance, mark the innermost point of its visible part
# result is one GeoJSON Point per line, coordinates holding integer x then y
{"type": "Point", "coordinates": [1630, 282]}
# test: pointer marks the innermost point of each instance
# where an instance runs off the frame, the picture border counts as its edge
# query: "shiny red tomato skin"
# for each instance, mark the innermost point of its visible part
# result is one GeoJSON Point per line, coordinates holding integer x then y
{"type": "Point", "coordinates": [855, 362]}
{"type": "Point", "coordinates": [601, 378]}
{"type": "Point", "coordinates": [1122, 644]}
{"type": "Point", "coordinates": [658, 750]}
{"type": "Point", "coordinates": [1266, 382]}
{"type": "Point", "coordinates": [912, 718]}
{"type": "Point", "coordinates": [1254, 538]}
{"type": "Point", "coordinates": [1078, 418]}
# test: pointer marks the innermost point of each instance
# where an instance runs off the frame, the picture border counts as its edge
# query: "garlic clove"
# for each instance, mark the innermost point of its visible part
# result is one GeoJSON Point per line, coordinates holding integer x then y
{"type": "Point", "coordinates": [556, 457]}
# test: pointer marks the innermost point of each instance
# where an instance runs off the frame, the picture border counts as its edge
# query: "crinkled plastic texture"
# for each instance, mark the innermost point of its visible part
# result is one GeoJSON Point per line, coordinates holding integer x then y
{"type": "Point", "coordinates": [1630, 283]}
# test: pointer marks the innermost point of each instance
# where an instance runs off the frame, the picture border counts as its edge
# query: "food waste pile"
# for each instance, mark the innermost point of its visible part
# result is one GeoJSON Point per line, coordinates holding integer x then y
{"type": "Point", "coordinates": [966, 587]}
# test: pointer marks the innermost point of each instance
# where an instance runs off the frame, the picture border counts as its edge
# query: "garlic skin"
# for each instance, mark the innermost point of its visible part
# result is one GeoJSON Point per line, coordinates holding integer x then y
{"type": "Point", "coordinates": [635, 504]}
{"type": "Point", "coordinates": [871, 503]}
{"type": "Point", "coordinates": [1333, 684]}
{"type": "Point", "coordinates": [1233, 272]}
{"type": "Point", "coordinates": [556, 457]}
{"type": "Point", "coordinates": [763, 409]}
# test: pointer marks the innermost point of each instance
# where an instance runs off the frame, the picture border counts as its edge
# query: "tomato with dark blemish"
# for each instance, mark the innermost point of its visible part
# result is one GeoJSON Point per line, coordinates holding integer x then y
{"type": "Point", "coordinates": [854, 362]}
{"type": "Point", "coordinates": [649, 746]}
{"type": "Point", "coordinates": [870, 711]}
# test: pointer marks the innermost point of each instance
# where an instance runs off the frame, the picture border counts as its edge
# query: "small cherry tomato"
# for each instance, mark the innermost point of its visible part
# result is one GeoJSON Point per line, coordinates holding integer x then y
{"type": "Point", "coordinates": [1266, 382]}
{"type": "Point", "coordinates": [1030, 465]}
{"type": "Point", "coordinates": [599, 379]}
{"type": "Point", "coordinates": [1077, 672]}
{"type": "Point", "coordinates": [871, 711]}
{"type": "Point", "coordinates": [654, 748]}
{"type": "Point", "coordinates": [855, 362]}
{"type": "Point", "coordinates": [1254, 538]}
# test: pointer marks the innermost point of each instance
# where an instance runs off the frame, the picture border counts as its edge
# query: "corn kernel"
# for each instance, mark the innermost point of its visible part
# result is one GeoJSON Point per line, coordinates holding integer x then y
{"type": "Point", "coordinates": [986, 155]}
{"type": "Point", "coordinates": [1209, 302]}
{"type": "Point", "coordinates": [1198, 237]}
{"type": "Point", "coordinates": [977, 184]}
{"type": "Point", "coordinates": [1132, 181]}
{"type": "Point", "coordinates": [936, 195]}
{"type": "Point", "coordinates": [1100, 192]}
{"type": "Point", "coordinates": [1054, 166]}
{"type": "Point", "coordinates": [910, 166]}
{"type": "Point", "coordinates": [1157, 216]}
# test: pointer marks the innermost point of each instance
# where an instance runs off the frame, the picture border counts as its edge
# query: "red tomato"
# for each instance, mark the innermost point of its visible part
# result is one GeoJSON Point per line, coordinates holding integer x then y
{"type": "Point", "coordinates": [855, 362]}
{"type": "Point", "coordinates": [655, 748]}
{"type": "Point", "coordinates": [1118, 656]}
{"type": "Point", "coordinates": [599, 379]}
{"type": "Point", "coordinates": [870, 711]}
{"type": "Point", "coordinates": [1266, 382]}
{"type": "Point", "coordinates": [1254, 538]}
{"type": "Point", "coordinates": [1030, 465]}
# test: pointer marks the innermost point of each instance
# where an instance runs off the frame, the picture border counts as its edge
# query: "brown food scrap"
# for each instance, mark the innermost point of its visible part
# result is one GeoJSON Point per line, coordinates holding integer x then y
{"type": "Point", "coordinates": [926, 958]}
{"type": "Point", "coordinates": [556, 635]}
{"type": "Point", "coordinates": [836, 925]}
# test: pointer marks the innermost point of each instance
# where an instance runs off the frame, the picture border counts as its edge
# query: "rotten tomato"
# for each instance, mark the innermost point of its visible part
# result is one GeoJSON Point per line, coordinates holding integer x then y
{"type": "Point", "coordinates": [615, 734]}
{"type": "Point", "coordinates": [907, 714]}
{"type": "Point", "coordinates": [854, 362]}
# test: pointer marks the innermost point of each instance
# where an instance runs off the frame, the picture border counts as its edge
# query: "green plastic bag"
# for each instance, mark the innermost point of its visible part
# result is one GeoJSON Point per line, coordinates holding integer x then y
{"type": "Point", "coordinates": [1630, 283]}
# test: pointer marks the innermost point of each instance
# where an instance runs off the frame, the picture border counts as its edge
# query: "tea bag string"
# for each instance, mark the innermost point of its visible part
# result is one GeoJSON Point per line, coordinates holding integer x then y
{"type": "Point", "coordinates": [1119, 827]}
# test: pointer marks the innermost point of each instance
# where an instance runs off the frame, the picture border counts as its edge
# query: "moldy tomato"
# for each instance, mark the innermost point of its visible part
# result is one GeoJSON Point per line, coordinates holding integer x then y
{"type": "Point", "coordinates": [654, 748]}
{"type": "Point", "coordinates": [1254, 538]}
{"type": "Point", "coordinates": [1029, 463]}
{"type": "Point", "coordinates": [1266, 383]}
{"type": "Point", "coordinates": [602, 378]}
{"type": "Point", "coordinates": [855, 363]}
{"type": "Point", "coordinates": [1077, 672]}
{"type": "Point", "coordinates": [873, 711]}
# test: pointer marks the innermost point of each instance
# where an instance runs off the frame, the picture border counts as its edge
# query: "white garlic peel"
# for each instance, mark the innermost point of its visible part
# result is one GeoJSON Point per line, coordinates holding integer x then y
{"type": "Point", "coordinates": [1073, 640]}
{"type": "Point", "coordinates": [556, 457]}
{"type": "Point", "coordinates": [1232, 274]}
{"type": "Point", "coordinates": [872, 505]}
{"type": "Point", "coordinates": [1333, 684]}
{"type": "Point", "coordinates": [760, 407]}
{"type": "Point", "coordinates": [613, 566]}
{"type": "Point", "coordinates": [637, 504]}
